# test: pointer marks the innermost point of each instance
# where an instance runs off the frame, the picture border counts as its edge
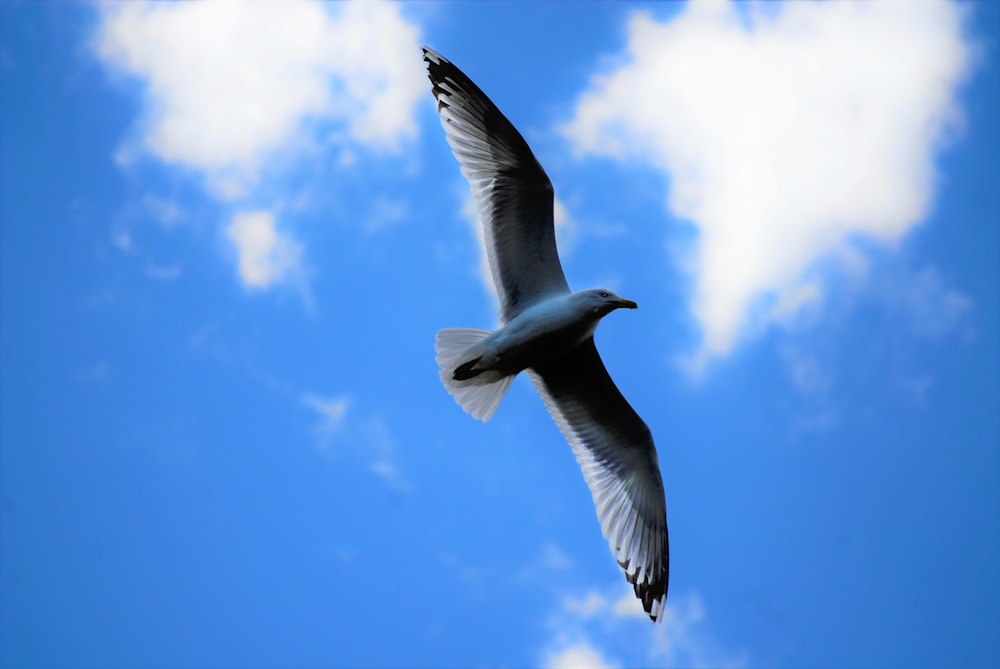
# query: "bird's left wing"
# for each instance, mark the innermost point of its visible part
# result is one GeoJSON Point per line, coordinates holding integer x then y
{"type": "Point", "coordinates": [514, 195]}
{"type": "Point", "coordinates": [615, 450]}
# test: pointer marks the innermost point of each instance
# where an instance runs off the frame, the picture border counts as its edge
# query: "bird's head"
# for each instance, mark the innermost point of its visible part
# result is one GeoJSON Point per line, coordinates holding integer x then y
{"type": "Point", "coordinates": [603, 301]}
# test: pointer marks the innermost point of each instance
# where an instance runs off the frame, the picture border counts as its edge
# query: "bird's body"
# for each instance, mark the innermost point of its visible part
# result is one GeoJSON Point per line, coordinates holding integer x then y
{"type": "Point", "coordinates": [547, 330]}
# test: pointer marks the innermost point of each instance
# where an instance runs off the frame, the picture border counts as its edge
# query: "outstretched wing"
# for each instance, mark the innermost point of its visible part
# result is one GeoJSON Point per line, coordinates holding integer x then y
{"type": "Point", "coordinates": [513, 193]}
{"type": "Point", "coordinates": [616, 452]}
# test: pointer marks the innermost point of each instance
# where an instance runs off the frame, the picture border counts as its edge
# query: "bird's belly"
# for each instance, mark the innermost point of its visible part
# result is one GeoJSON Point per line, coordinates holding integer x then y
{"type": "Point", "coordinates": [523, 345]}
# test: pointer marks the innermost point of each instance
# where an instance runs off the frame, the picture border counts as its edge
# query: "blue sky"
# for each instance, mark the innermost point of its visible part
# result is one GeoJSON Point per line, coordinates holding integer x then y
{"type": "Point", "coordinates": [228, 234]}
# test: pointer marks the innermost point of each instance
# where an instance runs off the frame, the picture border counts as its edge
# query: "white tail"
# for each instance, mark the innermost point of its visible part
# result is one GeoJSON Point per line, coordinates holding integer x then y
{"type": "Point", "coordinates": [481, 394]}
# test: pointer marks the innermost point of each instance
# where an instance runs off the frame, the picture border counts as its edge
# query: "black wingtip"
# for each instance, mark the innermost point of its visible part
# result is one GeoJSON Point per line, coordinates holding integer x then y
{"type": "Point", "coordinates": [430, 55]}
{"type": "Point", "coordinates": [439, 68]}
{"type": "Point", "coordinates": [435, 62]}
{"type": "Point", "coordinates": [651, 592]}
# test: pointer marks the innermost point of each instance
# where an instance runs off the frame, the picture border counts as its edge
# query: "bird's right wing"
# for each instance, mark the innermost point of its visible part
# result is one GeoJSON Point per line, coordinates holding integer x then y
{"type": "Point", "coordinates": [616, 452]}
{"type": "Point", "coordinates": [514, 195]}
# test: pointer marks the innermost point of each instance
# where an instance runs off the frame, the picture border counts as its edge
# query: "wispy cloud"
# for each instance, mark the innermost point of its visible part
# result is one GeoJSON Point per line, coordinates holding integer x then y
{"type": "Point", "coordinates": [386, 213]}
{"type": "Point", "coordinates": [131, 227]}
{"type": "Point", "coordinates": [916, 388]}
{"type": "Point", "coordinates": [382, 449]}
{"type": "Point", "coordinates": [924, 310]}
{"type": "Point", "coordinates": [165, 213]}
{"type": "Point", "coordinates": [164, 272]}
{"type": "Point", "coordinates": [920, 308]}
{"type": "Point", "coordinates": [266, 256]}
{"type": "Point", "coordinates": [586, 606]}
{"type": "Point", "coordinates": [589, 630]}
{"type": "Point", "coordinates": [685, 639]}
{"type": "Point", "coordinates": [788, 134]}
{"type": "Point", "coordinates": [331, 410]}
{"type": "Point", "coordinates": [816, 410]}
{"type": "Point", "coordinates": [930, 307]}
{"type": "Point", "coordinates": [367, 437]}
{"type": "Point", "coordinates": [98, 374]}
{"type": "Point", "coordinates": [550, 559]}
{"type": "Point", "coordinates": [805, 372]}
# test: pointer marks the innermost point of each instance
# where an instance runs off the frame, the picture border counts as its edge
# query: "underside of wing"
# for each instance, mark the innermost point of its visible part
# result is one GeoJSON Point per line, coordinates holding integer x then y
{"type": "Point", "coordinates": [512, 191]}
{"type": "Point", "coordinates": [616, 452]}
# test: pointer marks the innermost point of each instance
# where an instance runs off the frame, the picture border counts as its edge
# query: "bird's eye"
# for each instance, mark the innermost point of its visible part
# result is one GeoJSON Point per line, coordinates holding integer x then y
{"type": "Point", "coordinates": [604, 294]}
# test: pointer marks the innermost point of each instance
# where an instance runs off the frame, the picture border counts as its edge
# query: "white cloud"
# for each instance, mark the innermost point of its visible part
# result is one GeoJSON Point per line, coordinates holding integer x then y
{"type": "Point", "coordinates": [580, 655]}
{"type": "Point", "coordinates": [266, 255]}
{"type": "Point", "coordinates": [237, 93]}
{"type": "Point", "coordinates": [590, 628]}
{"type": "Point", "coordinates": [627, 606]}
{"type": "Point", "coordinates": [788, 133]}
{"type": "Point", "coordinates": [232, 87]}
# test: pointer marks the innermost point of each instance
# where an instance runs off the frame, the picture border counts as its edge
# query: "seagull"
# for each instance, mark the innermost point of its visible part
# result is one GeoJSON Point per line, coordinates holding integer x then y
{"type": "Point", "coordinates": [547, 330]}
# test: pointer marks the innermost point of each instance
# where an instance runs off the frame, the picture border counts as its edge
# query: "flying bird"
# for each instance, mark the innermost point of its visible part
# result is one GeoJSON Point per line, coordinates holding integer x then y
{"type": "Point", "coordinates": [547, 330]}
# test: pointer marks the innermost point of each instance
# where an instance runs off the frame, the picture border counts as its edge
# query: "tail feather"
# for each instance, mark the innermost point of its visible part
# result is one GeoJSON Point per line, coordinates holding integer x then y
{"type": "Point", "coordinates": [478, 393]}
